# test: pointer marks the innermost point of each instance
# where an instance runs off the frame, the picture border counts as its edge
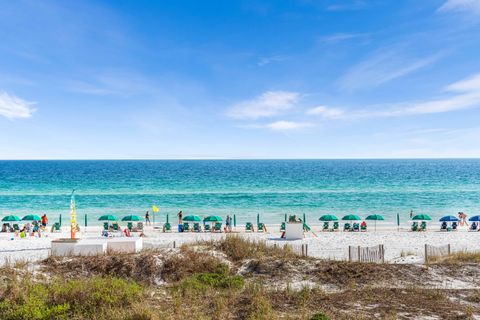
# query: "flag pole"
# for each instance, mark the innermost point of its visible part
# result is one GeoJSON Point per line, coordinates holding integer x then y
{"type": "Point", "coordinates": [73, 216]}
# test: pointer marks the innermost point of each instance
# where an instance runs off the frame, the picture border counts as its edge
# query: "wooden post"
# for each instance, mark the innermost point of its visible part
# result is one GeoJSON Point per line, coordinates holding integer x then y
{"type": "Point", "coordinates": [382, 252]}
{"type": "Point", "coordinates": [303, 253]}
{"type": "Point", "coordinates": [426, 253]}
{"type": "Point", "coordinates": [306, 250]}
{"type": "Point", "coordinates": [174, 244]}
{"type": "Point", "coordinates": [359, 260]}
{"type": "Point", "coordinates": [275, 246]}
{"type": "Point", "coordinates": [449, 249]}
{"type": "Point", "coordinates": [349, 253]}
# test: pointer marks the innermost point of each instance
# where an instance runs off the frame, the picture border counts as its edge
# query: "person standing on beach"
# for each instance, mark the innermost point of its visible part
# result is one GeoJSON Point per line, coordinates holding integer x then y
{"type": "Point", "coordinates": [180, 217]}
{"type": "Point", "coordinates": [228, 223]}
{"type": "Point", "coordinates": [147, 218]}
{"type": "Point", "coordinates": [411, 214]}
{"type": "Point", "coordinates": [44, 220]}
{"type": "Point", "coordinates": [463, 218]}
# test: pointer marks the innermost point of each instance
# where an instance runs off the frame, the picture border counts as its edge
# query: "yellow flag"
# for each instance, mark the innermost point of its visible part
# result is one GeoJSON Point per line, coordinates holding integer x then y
{"type": "Point", "coordinates": [155, 208]}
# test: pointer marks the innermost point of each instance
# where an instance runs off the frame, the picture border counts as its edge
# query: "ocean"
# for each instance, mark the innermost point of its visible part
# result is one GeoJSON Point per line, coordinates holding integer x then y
{"type": "Point", "coordinates": [271, 188]}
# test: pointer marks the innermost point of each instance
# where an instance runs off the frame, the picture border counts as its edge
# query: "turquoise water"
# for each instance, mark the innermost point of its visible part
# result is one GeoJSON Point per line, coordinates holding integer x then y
{"type": "Point", "coordinates": [244, 187]}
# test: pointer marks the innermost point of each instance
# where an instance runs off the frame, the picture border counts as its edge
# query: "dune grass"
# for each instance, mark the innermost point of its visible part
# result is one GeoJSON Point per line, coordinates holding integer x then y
{"type": "Point", "coordinates": [457, 257]}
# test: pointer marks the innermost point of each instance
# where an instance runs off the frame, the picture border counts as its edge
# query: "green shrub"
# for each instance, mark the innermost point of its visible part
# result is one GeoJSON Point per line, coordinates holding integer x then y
{"type": "Point", "coordinates": [61, 299]}
{"type": "Point", "coordinates": [320, 316]}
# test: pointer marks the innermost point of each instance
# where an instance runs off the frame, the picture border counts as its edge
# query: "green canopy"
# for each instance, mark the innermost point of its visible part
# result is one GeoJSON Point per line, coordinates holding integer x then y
{"type": "Point", "coordinates": [374, 217]}
{"type": "Point", "coordinates": [213, 219]}
{"type": "Point", "coordinates": [108, 217]}
{"type": "Point", "coordinates": [422, 217]}
{"type": "Point", "coordinates": [328, 217]}
{"type": "Point", "coordinates": [31, 217]}
{"type": "Point", "coordinates": [192, 218]}
{"type": "Point", "coordinates": [11, 218]}
{"type": "Point", "coordinates": [351, 217]}
{"type": "Point", "coordinates": [132, 217]}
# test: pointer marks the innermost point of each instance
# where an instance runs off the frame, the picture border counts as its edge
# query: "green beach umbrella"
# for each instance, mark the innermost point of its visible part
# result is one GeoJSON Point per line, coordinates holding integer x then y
{"type": "Point", "coordinates": [351, 217]}
{"type": "Point", "coordinates": [328, 217]}
{"type": "Point", "coordinates": [422, 217]}
{"type": "Point", "coordinates": [375, 217]}
{"type": "Point", "coordinates": [11, 218]}
{"type": "Point", "coordinates": [108, 217]}
{"type": "Point", "coordinates": [31, 217]}
{"type": "Point", "coordinates": [192, 218]}
{"type": "Point", "coordinates": [131, 217]}
{"type": "Point", "coordinates": [213, 219]}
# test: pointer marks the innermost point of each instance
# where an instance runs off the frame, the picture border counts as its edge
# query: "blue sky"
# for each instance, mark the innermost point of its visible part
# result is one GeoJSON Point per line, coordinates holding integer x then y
{"type": "Point", "coordinates": [239, 79]}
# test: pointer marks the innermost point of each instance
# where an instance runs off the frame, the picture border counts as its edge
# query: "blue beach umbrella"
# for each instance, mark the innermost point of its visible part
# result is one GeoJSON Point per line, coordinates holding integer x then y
{"type": "Point", "coordinates": [449, 219]}
{"type": "Point", "coordinates": [474, 218]}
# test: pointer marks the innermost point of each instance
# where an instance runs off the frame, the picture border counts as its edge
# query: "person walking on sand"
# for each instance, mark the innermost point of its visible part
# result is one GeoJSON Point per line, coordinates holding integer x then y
{"type": "Point", "coordinates": [147, 218]}
{"type": "Point", "coordinates": [411, 214]}
{"type": "Point", "coordinates": [463, 218]}
{"type": "Point", "coordinates": [228, 224]}
{"type": "Point", "coordinates": [180, 217]}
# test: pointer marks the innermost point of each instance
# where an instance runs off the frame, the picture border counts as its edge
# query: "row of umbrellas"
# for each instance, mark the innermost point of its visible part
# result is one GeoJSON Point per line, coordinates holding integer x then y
{"type": "Point", "coordinates": [350, 217]}
{"type": "Point", "coordinates": [189, 218]}
{"type": "Point", "coordinates": [28, 217]}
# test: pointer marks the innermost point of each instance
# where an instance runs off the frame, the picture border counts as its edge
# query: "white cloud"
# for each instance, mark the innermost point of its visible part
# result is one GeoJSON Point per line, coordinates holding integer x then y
{"type": "Point", "coordinates": [12, 107]}
{"type": "Point", "coordinates": [472, 6]}
{"type": "Point", "coordinates": [326, 112]}
{"type": "Point", "coordinates": [267, 60]}
{"type": "Point", "coordinates": [268, 104]}
{"type": "Point", "coordinates": [337, 37]}
{"type": "Point", "coordinates": [283, 125]}
{"type": "Point", "coordinates": [382, 67]}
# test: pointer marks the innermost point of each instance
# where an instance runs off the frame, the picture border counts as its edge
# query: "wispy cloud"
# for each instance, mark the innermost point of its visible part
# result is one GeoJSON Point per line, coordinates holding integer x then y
{"type": "Point", "coordinates": [12, 107]}
{"type": "Point", "coordinates": [268, 104]}
{"type": "Point", "coordinates": [326, 112]}
{"type": "Point", "coordinates": [472, 6]}
{"type": "Point", "coordinates": [382, 67]}
{"type": "Point", "coordinates": [463, 94]}
{"type": "Point", "coordinates": [284, 125]}
{"type": "Point", "coordinates": [338, 37]}
{"type": "Point", "coordinates": [347, 5]}
{"type": "Point", "coordinates": [271, 59]}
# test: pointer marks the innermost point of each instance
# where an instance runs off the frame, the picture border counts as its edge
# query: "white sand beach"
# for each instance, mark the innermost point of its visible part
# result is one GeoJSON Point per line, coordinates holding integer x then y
{"type": "Point", "coordinates": [401, 246]}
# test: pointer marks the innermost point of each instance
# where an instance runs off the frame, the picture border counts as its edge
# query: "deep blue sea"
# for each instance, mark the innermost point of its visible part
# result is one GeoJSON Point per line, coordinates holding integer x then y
{"type": "Point", "coordinates": [244, 187]}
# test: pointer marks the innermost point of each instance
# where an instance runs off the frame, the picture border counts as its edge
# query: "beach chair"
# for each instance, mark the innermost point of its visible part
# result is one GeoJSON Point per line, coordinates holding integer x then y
{"type": "Point", "coordinates": [105, 226]}
{"type": "Point", "coordinates": [207, 228]}
{"type": "Point", "coordinates": [130, 226]}
{"type": "Point", "coordinates": [282, 227]}
{"type": "Point", "coordinates": [218, 227]}
{"type": "Point", "coordinates": [473, 227]}
{"type": "Point", "coordinates": [415, 226]}
{"type": "Point", "coordinates": [454, 226]}
{"type": "Point", "coordinates": [336, 225]}
{"type": "Point", "coordinates": [16, 227]}
{"type": "Point", "coordinates": [56, 227]}
{"type": "Point", "coordinates": [363, 228]}
{"type": "Point", "coordinates": [115, 227]}
{"type": "Point", "coordinates": [167, 227]}
{"type": "Point", "coordinates": [346, 227]}
{"type": "Point", "coordinates": [260, 227]}
{"type": "Point", "coordinates": [306, 227]}
{"type": "Point", "coordinates": [140, 226]}
{"type": "Point", "coordinates": [423, 226]}
{"type": "Point", "coordinates": [326, 226]}
{"type": "Point", "coordinates": [443, 226]}
{"type": "Point", "coordinates": [196, 227]}
{"type": "Point", "coordinates": [186, 227]}
{"type": "Point", "coordinates": [249, 227]}
{"type": "Point", "coordinates": [356, 227]}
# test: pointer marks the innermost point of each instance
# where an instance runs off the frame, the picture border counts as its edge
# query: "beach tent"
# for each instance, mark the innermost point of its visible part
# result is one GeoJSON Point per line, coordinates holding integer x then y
{"type": "Point", "coordinates": [212, 219]}
{"type": "Point", "coordinates": [474, 218]}
{"type": "Point", "coordinates": [375, 217]}
{"type": "Point", "coordinates": [328, 217]}
{"type": "Point", "coordinates": [31, 217]}
{"type": "Point", "coordinates": [423, 217]}
{"type": "Point", "coordinates": [449, 219]}
{"type": "Point", "coordinates": [192, 218]}
{"type": "Point", "coordinates": [351, 217]}
{"type": "Point", "coordinates": [10, 218]}
{"type": "Point", "coordinates": [108, 217]}
{"type": "Point", "coordinates": [132, 217]}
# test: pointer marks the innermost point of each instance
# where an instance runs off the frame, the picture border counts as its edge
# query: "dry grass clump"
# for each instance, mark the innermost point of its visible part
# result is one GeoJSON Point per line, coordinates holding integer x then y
{"type": "Point", "coordinates": [189, 262]}
{"type": "Point", "coordinates": [457, 257]}
{"type": "Point", "coordinates": [238, 249]}
{"type": "Point", "coordinates": [142, 267]}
